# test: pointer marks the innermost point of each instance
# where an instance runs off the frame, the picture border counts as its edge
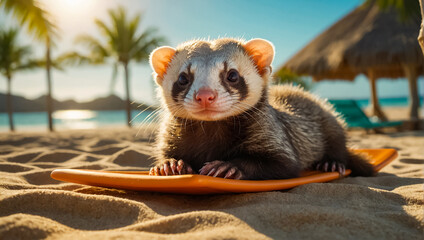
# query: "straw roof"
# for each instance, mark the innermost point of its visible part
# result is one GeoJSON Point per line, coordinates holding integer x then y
{"type": "Point", "coordinates": [367, 38]}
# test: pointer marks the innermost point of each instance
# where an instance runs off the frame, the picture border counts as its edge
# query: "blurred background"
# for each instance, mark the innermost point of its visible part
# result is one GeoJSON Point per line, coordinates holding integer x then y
{"type": "Point", "coordinates": [84, 63]}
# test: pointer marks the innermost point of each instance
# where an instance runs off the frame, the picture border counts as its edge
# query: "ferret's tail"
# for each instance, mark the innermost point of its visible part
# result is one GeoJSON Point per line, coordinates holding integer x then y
{"type": "Point", "coordinates": [360, 165]}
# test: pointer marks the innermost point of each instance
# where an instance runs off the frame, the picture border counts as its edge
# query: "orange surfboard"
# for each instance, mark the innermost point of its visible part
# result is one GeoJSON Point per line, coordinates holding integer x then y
{"type": "Point", "coordinates": [199, 184]}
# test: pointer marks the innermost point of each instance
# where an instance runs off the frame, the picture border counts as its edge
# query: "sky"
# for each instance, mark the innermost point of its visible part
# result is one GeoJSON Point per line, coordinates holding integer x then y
{"type": "Point", "coordinates": [289, 24]}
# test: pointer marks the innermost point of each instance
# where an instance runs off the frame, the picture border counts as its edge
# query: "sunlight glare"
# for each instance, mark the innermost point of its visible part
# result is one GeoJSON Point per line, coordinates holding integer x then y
{"type": "Point", "coordinates": [68, 8]}
{"type": "Point", "coordinates": [75, 3]}
{"type": "Point", "coordinates": [74, 114]}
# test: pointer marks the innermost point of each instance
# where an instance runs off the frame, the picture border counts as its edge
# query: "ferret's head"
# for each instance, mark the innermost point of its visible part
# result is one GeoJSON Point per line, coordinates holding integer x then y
{"type": "Point", "coordinates": [212, 80]}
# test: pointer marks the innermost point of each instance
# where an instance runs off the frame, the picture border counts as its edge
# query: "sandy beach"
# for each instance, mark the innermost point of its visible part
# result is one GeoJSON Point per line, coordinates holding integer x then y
{"type": "Point", "coordinates": [34, 206]}
{"type": "Point", "coordinates": [83, 68]}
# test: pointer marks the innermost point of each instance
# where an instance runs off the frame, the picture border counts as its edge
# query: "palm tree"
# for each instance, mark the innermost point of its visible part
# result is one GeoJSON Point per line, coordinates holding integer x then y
{"type": "Point", "coordinates": [406, 9]}
{"type": "Point", "coordinates": [13, 58]}
{"type": "Point", "coordinates": [38, 22]}
{"type": "Point", "coordinates": [421, 34]}
{"type": "Point", "coordinates": [123, 44]}
{"type": "Point", "coordinates": [285, 76]}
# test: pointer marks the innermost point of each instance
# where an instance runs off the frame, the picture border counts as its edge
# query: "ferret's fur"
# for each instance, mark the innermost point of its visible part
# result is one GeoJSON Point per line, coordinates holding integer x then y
{"type": "Point", "coordinates": [253, 132]}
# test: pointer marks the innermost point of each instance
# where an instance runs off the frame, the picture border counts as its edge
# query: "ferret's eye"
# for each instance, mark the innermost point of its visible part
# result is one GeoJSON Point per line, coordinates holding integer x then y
{"type": "Point", "coordinates": [233, 76]}
{"type": "Point", "coordinates": [183, 79]}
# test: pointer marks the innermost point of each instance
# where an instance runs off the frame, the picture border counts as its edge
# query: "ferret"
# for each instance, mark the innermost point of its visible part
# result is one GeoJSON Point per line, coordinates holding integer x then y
{"type": "Point", "coordinates": [223, 120]}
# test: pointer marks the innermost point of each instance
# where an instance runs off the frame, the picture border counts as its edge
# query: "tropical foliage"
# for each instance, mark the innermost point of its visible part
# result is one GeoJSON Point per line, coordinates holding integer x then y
{"type": "Point", "coordinates": [13, 58]}
{"type": "Point", "coordinates": [406, 9]}
{"type": "Point", "coordinates": [38, 22]}
{"type": "Point", "coordinates": [122, 43]}
{"type": "Point", "coordinates": [285, 76]}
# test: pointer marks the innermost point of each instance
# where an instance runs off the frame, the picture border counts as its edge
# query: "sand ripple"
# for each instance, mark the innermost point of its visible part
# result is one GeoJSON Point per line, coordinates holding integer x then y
{"type": "Point", "coordinates": [34, 206]}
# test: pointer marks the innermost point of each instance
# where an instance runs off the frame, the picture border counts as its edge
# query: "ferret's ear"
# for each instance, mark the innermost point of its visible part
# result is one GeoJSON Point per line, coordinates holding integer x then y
{"type": "Point", "coordinates": [262, 53]}
{"type": "Point", "coordinates": [160, 59]}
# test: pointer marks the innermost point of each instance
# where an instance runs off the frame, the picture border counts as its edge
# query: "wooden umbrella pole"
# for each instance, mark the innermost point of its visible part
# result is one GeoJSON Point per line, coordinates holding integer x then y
{"type": "Point", "coordinates": [414, 101]}
{"type": "Point", "coordinates": [376, 109]}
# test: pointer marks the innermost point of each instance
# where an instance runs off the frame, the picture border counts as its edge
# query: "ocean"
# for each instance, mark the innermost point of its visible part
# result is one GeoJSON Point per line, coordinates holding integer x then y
{"type": "Point", "coordinates": [74, 119]}
{"type": "Point", "coordinates": [86, 119]}
{"type": "Point", "coordinates": [388, 102]}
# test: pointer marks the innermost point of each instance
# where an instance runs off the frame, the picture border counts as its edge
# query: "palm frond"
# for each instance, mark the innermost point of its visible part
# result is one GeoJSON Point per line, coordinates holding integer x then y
{"type": "Point", "coordinates": [285, 76]}
{"type": "Point", "coordinates": [29, 65]}
{"type": "Point", "coordinates": [122, 40]}
{"type": "Point", "coordinates": [406, 9]}
{"type": "Point", "coordinates": [104, 29]}
{"type": "Point", "coordinates": [148, 33]}
{"type": "Point", "coordinates": [73, 58]}
{"type": "Point", "coordinates": [13, 56]}
{"type": "Point", "coordinates": [97, 50]}
{"type": "Point", "coordinates": [134, 24]}
{"type": "Point", "coordinates": [32, 15]}
{"type": "Point", "coordinates": [145, 46]}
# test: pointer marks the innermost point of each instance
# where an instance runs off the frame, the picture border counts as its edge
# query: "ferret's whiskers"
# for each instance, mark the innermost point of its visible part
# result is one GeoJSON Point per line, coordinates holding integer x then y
{"type": "Point", "coordinates": [152, 113]}
{"type": "Point", "coordinates": [154, 120]}
{"type": "Point", "coordinates": [145, 120]}
{"type": "Point", "coordinates": [254, 109]}
{"type": "Point", "coordinates": [201, 125]}
{"type": "Point", "coordinates": [253, 117]}
{"type": "Point", "coordinates": [139, 125]}
{"type": "Point", "coordinates": [140, 113]}
{"type": "Point", "coordinates": [185, 124]}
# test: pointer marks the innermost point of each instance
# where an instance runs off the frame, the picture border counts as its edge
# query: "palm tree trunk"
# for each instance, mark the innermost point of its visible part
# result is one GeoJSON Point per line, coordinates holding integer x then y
{"type": "Point", "coordinates": [414, 100]}
{"type": "Point", "coordinates": [127, 91]}
{"type": "Point", "coordinates": [9, 103]}
{"type": "Point", "coordinates": [49, 101]}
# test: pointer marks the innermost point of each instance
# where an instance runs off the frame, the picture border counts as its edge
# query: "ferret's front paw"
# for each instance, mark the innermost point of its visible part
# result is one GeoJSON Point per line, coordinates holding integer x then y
{"type": "Point", "coordinates": [221, 169]}
{"type": "Point", "coordinates": [331, 167]}
{"type": "Point", "coordinates": [171, 167]}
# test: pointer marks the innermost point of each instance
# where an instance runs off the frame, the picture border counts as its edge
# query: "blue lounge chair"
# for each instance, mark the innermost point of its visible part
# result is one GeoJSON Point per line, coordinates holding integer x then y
{"type": "Point", "coordinates": [356, 118]}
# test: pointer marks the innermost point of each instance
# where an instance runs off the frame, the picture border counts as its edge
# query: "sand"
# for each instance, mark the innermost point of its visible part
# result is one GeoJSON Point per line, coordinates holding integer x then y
{"type": "Point", "coordinates": [34, 206]}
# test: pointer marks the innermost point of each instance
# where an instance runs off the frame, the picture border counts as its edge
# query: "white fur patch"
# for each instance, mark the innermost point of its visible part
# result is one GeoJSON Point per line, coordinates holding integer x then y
{"type": "Point", "coordinates": [206, 66]}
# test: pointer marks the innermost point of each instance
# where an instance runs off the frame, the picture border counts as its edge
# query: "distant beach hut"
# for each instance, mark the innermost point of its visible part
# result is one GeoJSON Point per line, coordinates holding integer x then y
{"type": "Point", "coordinates": [366, 41]}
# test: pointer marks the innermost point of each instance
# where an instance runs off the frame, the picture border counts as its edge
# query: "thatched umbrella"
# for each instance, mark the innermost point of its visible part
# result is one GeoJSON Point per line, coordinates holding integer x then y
{"type": "Point", "coordinates": [366, 41]}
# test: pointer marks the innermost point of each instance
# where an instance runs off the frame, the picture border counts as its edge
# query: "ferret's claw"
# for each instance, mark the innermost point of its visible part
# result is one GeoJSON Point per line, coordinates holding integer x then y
{"type": "Point", "coordinates": [205, 170]}
{"type": "Point", "coordinates": [211, 172]}
{"type": "Point", "coordinates": [238, 175]}
{"type": "Point", "coordinates": [234, 173]}
{"type": "Point", "coordinates": [342, 170]}
{"type": "Point", "coordinates": [333, 167]}
{"type": "Point", "coordinates": [166, 169]}
{"type": "Point", "coordinates": [221, 169]}
{"type": "Point", "coordinates": [318, 167]}
{"type": "Point", "coordinates": [230, 173]}
{"type": "Point", "coordinates": [180, 167]}
{"type": "Point", "coordinates": [170, 168]}
{"type": "Point", "coordinates": [156, 171]}
{"type": "Point", "coordinates": [173, 167]}
{"type": "Point", "coordinates": [161, 171]}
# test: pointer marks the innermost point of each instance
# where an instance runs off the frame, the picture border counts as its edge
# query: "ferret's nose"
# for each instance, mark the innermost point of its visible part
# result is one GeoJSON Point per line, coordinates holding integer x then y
{"type": "Point", "coordinates": [205, 96]}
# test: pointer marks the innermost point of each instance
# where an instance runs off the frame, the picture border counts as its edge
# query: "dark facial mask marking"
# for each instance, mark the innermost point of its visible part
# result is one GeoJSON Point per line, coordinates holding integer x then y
{"type": "Point", "coordinates": [240, 85]}
{"type": "Point", "coordinates": [177, 89]}
{"type": "Point", "coordinates": [222, 76]}
{"type": "Point", "coordinates": [242, 88]}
